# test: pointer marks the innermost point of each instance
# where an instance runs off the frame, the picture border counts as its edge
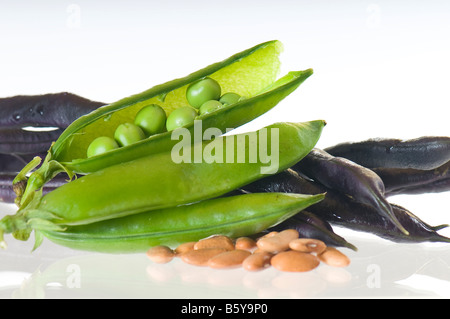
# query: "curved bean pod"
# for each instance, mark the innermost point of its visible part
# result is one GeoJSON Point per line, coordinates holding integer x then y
{"type": "Point", "coordinates": [426, 152]}
{"type": "Point", "coordinates": [349, 178]}
{"type": "Point", "coordinates": [415, 181]}
{"type": "Point", "coordinates": [343, 211]}
{"type": "Point", "coordinates": [47, 110]}
{"type": "Point", "coordinates": [23, 142]}
{"type": "Point", "coordinates": [234, 216]}
{"type": "Point", "coordinates": [438, 186]}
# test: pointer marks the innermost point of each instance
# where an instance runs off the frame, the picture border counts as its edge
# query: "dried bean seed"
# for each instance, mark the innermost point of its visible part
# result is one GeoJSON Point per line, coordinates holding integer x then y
{"type": "Point", "coordinates": [257, 261]}
{"type": "Point", "coordinates": [278, 242]}
{"type": "Point", "coordinates": [308, 245]}
{"type": "Point", "coordinates": [216, 241]}
{"type": "Point", "coordinates": [333, 257]}
{"type": "Point", "coordinates": [160, 254]}
{"type": "Point", "coordinates": [185, 247]}
{"type": "Point", "coordinates": [229, 259]}
{"type": "Point", "coordinates": [200, 257]}
{"type": "Point", "coordinates": [245, 243]}
{"type": "Point", "coordinates": [294, 261]}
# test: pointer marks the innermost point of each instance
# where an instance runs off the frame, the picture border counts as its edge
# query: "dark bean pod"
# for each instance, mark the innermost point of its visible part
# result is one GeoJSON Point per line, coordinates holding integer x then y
{"type": "Point", "coordinates": [19, 141]}
{"type": "Point", "coordinates": [309, 225]}
{"type": "Point", "coordinates": [341, 210]}
{"type": "Point", "coordinates": [421, 153]}
{"type": "Point", "coordinates": [348, 178]}
{"type": "Point", "coordinates": [414, 181]}
{"type": "Point", "coordinates": [47, 110]}
{"type": "Point", "coordinates": [433, 187]}
{"type": "Point", "coordinates": [13, 163]}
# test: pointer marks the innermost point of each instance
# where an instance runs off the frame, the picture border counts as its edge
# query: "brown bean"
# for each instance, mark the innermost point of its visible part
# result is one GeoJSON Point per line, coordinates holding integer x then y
{"type": "Point", "coordinates": [294, 261]}
{"type": "Point", "coordinates": [333, 257]}
{"type": "Point", "coordinates": [278, 242]}
{"type": "Point", "coordinates": [245, 243]}
{"type": "Point", "coordinates": [229, 259]}
{"type": "Point", "coordinates": [308, 245]}
{"type": "Point", "coordinates": [160, 254]}
{"type": "Point", "coordinates": [184, 247]}
{"type": "Point", "coordinates": [200, 257]}
{"type": "Point", "coordinates": [216, 241]}
{"type": "Point", "coordinates": [270, 234]}
{"type": "Point", "coordinates": [257, 261]}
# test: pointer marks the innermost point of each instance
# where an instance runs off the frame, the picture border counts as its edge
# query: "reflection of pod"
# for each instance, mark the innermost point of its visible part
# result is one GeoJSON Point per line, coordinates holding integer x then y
{"type": "Point", "coordinates": [156, 182]}
{"type": "Point", "coordinates": [234, 216]}
{"type": "Point", "coordinates": [246, 73]}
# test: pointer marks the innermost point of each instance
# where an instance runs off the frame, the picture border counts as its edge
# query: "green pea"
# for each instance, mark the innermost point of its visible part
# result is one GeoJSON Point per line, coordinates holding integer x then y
{"type": "Point", "coordinates": [101, 145]}
{"type": "Point", "coordinates": [209, 106]}
{"type": "Point", "coordinates": [180, 117]}
{"type": "Point", "coordinates": [128, 133]}
{"type": "Point", "coordinates": [201, 91]}
{"type": "Point", "coordinates": [229, 98]}
{"type": "Point", "coordinates": [151, 119]}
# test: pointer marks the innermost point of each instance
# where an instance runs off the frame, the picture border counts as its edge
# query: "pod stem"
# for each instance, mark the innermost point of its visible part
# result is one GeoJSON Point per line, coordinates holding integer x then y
{"type": "Point", "coordinates": [48, 170]}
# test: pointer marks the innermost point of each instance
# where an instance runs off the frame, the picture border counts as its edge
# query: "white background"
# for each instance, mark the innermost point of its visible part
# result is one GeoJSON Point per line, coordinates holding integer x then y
{"type": "Point", "coordinates": [381, 69]}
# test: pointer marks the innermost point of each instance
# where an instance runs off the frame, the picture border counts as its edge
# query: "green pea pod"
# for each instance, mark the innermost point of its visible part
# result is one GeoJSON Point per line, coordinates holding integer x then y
{"type": "Point", "coordinates": [248, 73]}
{"type": "Point", "coordinates": [234, 216]}
{"type": "Point", "coordinates": [187, 174]}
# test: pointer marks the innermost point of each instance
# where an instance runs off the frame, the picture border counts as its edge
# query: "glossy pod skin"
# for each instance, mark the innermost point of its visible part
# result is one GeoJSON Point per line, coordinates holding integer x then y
{"type": "Point", "coordinates": [426, 152]}
{"type": "Point", "coordinates": [414, 181]}
{"type": "Point", "coordinates": [47, 110]}
{"type": "Point", "coordinates": [247, 73]}
{"type": "Point", "coordinates": [349, 178]}
{"type": "Point", "coordinates": [106, 194]}
{"type": "Point", "coordinates": [343, 211]}
{"type": "Point", "coordinates": [234, 216]}
{"type": "Point", "coordinates": [23, 142]}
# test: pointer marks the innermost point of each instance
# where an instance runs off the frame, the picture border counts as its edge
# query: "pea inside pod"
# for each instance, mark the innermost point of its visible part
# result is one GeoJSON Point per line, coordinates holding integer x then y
{"type": "Point", "coordinates": [247, 73]}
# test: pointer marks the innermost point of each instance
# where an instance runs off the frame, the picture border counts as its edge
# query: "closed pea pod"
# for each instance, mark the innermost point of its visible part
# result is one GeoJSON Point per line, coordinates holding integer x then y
{"type": "Point", "coordinates": [106, 194]}
{"type": "Point", "coordinates": [235, 216]}
{"type": "Point", "coordinates": [246, 73]}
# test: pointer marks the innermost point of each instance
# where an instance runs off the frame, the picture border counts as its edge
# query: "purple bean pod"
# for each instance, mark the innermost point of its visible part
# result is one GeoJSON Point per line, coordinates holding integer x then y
{"type": "Point", "coordinates": [414, 181]}
{"type": "Point", "coordinates": [47, 110]}
{"type": "Point", "coordinates": [426, 152]}
{"type": "Point", "coordinates": [348, 178]}
{"type": "Point", "coordinates": [344, 211]}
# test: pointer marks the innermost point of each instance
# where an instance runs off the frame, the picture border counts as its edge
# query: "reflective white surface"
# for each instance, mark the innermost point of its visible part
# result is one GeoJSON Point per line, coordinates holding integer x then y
{"type": "Point", "coordinates": [379, 269]}
{"type": "Point", "coordinates": [380, 70]}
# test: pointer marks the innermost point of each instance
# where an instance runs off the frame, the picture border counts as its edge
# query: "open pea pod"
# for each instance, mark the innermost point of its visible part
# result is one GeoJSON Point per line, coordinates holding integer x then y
{"type": "Point", "coordinates": [251, 73]}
